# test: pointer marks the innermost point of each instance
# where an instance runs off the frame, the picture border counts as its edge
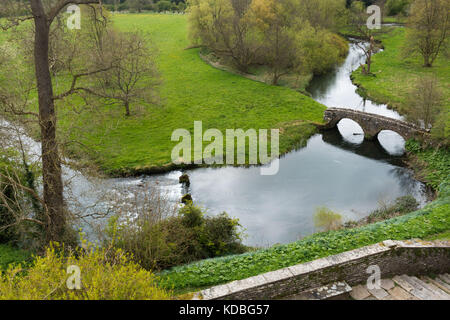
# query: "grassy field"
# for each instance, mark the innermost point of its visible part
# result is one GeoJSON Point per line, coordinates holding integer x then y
{"type": "Point", "coordinates": [395, 75]}
{"type": "Point", "coordinates": [190, 90]}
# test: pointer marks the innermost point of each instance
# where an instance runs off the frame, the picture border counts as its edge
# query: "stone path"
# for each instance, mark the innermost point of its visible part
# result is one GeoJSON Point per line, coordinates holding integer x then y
{"type": "Point", "coordinates": [405, 287]}
{"type": "Point", "coordinates": [401, 287]}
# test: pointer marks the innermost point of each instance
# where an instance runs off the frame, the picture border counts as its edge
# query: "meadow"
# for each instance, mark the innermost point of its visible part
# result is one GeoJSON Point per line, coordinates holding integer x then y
{"type": "Point", "coordinates": [396, 75]}
{"type": "Point", "coordinates": [190, 90]}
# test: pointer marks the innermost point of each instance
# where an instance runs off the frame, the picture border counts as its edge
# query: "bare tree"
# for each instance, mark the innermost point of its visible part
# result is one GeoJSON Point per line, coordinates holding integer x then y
{"type": "Point", "coordinates": [226, 30]}
{"type": "Point", "coordinates": [425, 102]}
{"type": "Point", "coordinates": [135, 62]}
{"type": "Point", "coordinates": [274, 22]}
{"type": "Point", "coordinates": [43, 14]}
{"type": "Point", "coordinates": [428, 29]}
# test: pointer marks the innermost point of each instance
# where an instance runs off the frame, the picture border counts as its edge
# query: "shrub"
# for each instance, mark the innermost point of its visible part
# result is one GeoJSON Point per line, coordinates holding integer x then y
{"type": "Point", "coordinates": [159, 237]}
{"type": "Point", "coordinates": [164, 5]}
{"type": "Point", "coordinates": [104, 275]}
{"type": "Point", "coordinates": [327, 220]}
{"type": "Point", "coordinates": [400, 206]}
{"type": "Point", "coordinates": [18, 201]}
{"type": "Point", "coordinates": [395, 7]}
{"type": "Point", "coordinates": [9, 254]}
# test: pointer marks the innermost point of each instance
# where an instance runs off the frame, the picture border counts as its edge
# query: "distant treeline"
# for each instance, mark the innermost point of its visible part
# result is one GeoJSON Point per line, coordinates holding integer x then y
{"type": "Point", "coordinates": [145, 5]}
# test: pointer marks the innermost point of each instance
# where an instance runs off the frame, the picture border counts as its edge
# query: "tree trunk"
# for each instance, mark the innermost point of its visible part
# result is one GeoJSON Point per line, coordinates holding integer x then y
{"type": "Point", "coordinates": [51, 166]}
{"type": "Point", "coordinates": [127, 108]}
{"type": "Point", "coordinates": [427, 62]}
{"type": "Point", "coordinates": [369, 63]}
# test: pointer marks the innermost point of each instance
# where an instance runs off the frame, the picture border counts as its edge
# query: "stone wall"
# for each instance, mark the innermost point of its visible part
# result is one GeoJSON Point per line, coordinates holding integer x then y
{"type": "Point", "coordinates": [393, 258]}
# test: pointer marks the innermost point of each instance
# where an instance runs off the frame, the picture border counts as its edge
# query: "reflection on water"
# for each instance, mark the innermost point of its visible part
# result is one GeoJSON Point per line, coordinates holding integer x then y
{"type": "Point", "coordinates": [329, 171]}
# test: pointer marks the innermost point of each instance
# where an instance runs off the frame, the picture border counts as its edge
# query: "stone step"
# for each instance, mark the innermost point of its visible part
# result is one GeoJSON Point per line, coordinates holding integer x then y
{"type": "Point", "coordinates": [436, 291]}
{"type": "Point", "coordinates": [399, 293]}
{"type": "Point", "coordinates": [359, 292]}
{"type": "Point", "coordinates": [336, 290]}
{"type": "Point", "coordinates": [413, 288]}
{"type": "Point", "coordinates": [445, 278]}
{"type": "Point", "coordinates": [380, 294]}
{"type": "Point", "coordinates": [422, 286]}
{"type": "Point", "coordinates": [438, 283]}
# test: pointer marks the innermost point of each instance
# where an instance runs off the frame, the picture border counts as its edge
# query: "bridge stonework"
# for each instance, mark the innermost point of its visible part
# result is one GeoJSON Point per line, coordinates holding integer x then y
{"type": "Point", "coordinates": [372, 123]}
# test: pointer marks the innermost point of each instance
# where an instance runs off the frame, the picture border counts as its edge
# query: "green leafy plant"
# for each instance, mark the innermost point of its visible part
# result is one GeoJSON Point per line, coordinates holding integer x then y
{"type": "Point", "coordinates": [105, 275]}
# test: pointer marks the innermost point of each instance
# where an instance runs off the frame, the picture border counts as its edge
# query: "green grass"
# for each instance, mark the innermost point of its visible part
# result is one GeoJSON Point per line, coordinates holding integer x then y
{"type": "Point", "coordinates": [433, 219]}
{"type": "Point", "coordinates": [430, 165]}
{"type": "Point", "coordinates": [394, 19]}
{"type": "Point", "coordinates": [11, 255]}
{"type": "Point", "coordinates": [191, 90]}
{"type": "Point", "coordinates": [440, 236]}
{"type": "Point", "coordinates": [395, 75]}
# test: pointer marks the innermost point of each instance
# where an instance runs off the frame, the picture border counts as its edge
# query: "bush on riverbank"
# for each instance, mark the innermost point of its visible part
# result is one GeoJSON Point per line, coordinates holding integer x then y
{"type": "Point", "coordinates": [400, 206]}
{"type": "Point", "coordinates": [430, 220]}
{"type": "Point", "coordinates": [105, 275]}
{"type": "Point", "coordinates": [284, 37]}
{"type": "Point", "coordinates": [159, 242]}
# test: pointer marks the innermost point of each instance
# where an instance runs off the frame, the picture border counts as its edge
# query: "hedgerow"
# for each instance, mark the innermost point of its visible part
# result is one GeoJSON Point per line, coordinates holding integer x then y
{"type": "Point", "coordinates": [433, 218]}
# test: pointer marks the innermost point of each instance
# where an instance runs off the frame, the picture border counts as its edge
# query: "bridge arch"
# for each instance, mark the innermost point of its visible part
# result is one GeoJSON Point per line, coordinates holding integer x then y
{"type": "Point", "coordinates": [372, 124]}
{"type": "Point", "coordinates": [350, 130]}
{"type": "Point", "coordinates": [391, 142]}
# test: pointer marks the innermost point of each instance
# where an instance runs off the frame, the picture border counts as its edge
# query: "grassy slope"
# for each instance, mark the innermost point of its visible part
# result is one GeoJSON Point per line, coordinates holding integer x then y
{"type": "Point", "coordinates": [433, 219]}
{"type": "Point", "coordinates": [396, 76]}
{"type": "Point", "coordinates": [191, 90]}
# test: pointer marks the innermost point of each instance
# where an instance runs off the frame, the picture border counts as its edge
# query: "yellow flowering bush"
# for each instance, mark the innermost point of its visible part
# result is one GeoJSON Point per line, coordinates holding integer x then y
{"type": "Point", "coordinates": [104, 275]}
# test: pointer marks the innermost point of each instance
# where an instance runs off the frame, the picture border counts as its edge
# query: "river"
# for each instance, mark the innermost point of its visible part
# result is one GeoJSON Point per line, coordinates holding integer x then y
{"type": "Point", "coordinates": [336, 169]}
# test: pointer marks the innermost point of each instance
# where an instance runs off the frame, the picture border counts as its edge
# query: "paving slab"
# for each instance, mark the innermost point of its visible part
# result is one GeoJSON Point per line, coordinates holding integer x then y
{"type": "Point", "coordinates": [378, 293]}
{"type": "Point", "coordinates": [438, 292]}
{"type": "Point", "coordinates": [445, 278]}
{"type": "Point", "coordinates": [359, 292]}
{"type": "Point", "coordinates": [387, 284]}
{"type": "Point", "coordinates": [439, 283]}
{"type": "Point", "coordinates": [402, 283]}
{"type": "Point", "coordinates": [400, 294]}
{"type": "Point", "coordinates": [419, 291]}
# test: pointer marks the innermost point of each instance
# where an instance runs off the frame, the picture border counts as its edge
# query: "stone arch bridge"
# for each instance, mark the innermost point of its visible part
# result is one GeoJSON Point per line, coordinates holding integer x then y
{"type": "Point", "coordinates": [372, 123]}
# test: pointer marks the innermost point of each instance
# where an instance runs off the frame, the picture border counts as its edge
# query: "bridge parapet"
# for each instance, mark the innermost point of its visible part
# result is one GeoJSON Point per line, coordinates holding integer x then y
{"type": "Point", "coordinates": [372, 123]}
